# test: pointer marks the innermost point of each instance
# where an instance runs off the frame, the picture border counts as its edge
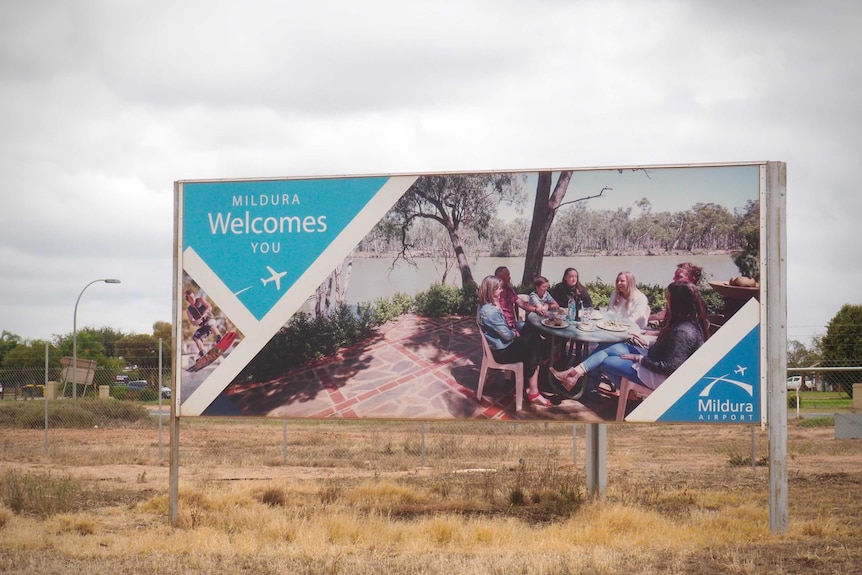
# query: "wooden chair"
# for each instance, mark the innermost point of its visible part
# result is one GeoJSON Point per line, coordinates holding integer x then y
{"type": "Point", "coordinates": [488, 362]}
{"type": "Point", "coordinates": [627, 386]}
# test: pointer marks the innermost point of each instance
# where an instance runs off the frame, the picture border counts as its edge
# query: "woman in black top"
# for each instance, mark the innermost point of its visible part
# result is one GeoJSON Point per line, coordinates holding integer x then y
{"type": "Point", "coordinates": [571, 290]}
{"type": "Point", "coordinates": [686, 328]}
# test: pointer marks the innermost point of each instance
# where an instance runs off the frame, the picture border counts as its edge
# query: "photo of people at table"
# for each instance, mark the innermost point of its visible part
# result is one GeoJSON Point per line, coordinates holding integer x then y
{"type": "Point", "coordinates": [623, 339]}
{"type": "Point", "coordinates": [570, 295]}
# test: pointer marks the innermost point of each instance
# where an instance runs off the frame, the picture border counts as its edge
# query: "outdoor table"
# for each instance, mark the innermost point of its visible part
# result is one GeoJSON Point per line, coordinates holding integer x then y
{"type": "Point", "coordinates": [574, 333]}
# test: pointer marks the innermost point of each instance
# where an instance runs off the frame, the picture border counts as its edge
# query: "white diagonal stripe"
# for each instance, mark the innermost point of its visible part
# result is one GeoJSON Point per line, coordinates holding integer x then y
{"type": "Point", "coordinates": [258, 336]}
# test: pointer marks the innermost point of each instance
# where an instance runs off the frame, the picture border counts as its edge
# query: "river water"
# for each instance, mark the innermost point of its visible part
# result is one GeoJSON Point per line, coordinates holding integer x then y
{"type": "Point", "coordinates": [372, 278]}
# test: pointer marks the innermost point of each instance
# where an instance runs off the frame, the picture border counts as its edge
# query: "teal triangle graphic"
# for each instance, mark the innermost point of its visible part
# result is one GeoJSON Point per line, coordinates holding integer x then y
{"type": "Point", "coordinates": [729, 392]}
{"type": "Point", "coordinates": [259, 237]}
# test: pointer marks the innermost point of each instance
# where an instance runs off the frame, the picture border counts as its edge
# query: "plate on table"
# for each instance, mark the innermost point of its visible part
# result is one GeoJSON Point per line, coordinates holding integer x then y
{"type": "Point", "coordinates": [613, 325]}
{"type": "Point", "coordinates": [596, 315]}
{"type": "Point", "coordinates": [587, 327]}
{"type": "Point", "coordinates": [548, 322]}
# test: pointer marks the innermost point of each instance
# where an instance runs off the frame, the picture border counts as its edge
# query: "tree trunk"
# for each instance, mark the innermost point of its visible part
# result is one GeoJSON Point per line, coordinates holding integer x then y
{"type": "Point", "coordinates": [461, 257]}
{"type": "Point", "coordinates": [344, 276]}
{"type": "Point", "coordinates": [334, 286]}
{"type": "Point", "coordinates": [544, 211]}
{"type": "Point", "coordinates": [323, 295]}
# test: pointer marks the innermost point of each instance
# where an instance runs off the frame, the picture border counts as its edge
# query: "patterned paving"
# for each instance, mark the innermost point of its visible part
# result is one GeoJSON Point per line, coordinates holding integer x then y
{"type": "Point", "coordinates": [416, 368]}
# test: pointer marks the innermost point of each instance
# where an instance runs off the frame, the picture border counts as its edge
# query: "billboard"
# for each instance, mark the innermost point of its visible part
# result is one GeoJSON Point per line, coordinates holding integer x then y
{"type": "Point", "coordinates": [345, 296]}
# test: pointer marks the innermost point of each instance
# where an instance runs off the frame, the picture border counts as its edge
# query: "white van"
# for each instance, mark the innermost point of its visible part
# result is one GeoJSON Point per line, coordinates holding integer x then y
{"type": "Point", "coordinates": [794, 382]}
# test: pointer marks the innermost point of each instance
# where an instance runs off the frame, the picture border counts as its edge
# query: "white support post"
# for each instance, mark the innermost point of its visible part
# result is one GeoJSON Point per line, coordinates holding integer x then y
{"type": "Point", "coordinates": [773, 267]}
{"type": "Point", "coordinates": [597, 447]}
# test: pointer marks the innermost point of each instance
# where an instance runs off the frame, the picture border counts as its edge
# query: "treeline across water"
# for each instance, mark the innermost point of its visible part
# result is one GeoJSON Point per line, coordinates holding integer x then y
{"type": "Point", "coordinates": [705, 227]}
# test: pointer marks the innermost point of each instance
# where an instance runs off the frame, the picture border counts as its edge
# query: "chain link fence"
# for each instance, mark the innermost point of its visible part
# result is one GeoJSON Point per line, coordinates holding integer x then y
{"type": "Point", "coordinates": [33, 399]}
{"type": "Point", "coordinates": [31, 383]}
{"type": "Point", "coordinates": [839, 377]}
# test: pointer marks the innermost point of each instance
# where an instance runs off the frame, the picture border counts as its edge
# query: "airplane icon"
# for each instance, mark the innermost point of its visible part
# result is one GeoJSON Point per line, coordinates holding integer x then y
{"type": "Point", "coordinates": [276, 276]}
{"type": "Point", "coordinates": [740, 370]}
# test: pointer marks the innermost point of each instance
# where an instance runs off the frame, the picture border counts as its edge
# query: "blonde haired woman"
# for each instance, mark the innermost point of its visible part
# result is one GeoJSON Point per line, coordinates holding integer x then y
{"type": "Point", "coordinates": [507, 344]}
{"type": "Point", "coordinates": [628, 302]}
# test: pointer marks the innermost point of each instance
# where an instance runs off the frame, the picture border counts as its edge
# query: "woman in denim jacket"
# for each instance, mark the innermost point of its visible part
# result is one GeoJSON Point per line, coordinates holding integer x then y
{"type": "Point", "coordinates": [507, 344]}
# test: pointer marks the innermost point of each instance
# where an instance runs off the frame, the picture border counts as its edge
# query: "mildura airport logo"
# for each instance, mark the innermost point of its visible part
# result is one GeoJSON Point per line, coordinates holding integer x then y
{"type": "Point", "coordinates": [727, 398]}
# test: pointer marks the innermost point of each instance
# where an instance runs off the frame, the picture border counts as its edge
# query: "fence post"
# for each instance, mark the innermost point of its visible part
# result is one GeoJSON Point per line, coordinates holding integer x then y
{"type": "Point", "coordinates": [160, 399]}
{"type": "Point", "coordinates": [753, 453]}
{"type": "Point", "coordinates": [575, 444]}
{"type": "Point", "coordinates": [422, 446]}
{"type": "Point", "coordinates": [284, 444]}
{"type": "Point", "coordinates": [597, 473]}
{"type": "Point", "coordinates": [45, 397]}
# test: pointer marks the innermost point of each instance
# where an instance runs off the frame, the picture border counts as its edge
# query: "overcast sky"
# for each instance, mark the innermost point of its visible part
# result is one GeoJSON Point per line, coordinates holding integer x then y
{"type": "Point", "coordinates": [105, 104]}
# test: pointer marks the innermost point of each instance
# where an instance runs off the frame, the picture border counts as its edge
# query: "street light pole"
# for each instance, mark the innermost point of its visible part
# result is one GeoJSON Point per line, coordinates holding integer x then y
{"type": "Point", "coordinates": [75, 335]}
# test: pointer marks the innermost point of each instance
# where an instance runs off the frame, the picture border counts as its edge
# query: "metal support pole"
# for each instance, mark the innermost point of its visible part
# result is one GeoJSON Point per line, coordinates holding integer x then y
{"type": "Point", "coordinates": [773, 265]}
{"type": "Point", "coordinates": [597, 444]}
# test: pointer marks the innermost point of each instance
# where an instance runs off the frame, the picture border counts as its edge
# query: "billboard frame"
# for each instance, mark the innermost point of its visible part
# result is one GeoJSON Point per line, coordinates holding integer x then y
{"type": "Point", "coordinates": [772, 317]}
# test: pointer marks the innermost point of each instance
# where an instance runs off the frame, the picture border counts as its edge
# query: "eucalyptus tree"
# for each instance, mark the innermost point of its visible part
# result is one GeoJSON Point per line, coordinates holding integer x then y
{"type": "Point", "coordinates": [458, 202]}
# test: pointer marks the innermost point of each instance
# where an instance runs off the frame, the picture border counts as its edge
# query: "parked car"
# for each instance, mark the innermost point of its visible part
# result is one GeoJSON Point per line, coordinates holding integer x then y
{"type": "Point", "coordinates": [794, 382]}
{"type": "Point", "coordinates": [166, 392]}
{"type": "Point", "coordinates": [138, 384]}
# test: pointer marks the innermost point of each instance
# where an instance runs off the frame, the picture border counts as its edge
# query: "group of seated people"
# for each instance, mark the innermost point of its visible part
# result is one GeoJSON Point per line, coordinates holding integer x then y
{"type": "Point", "coordinates": [647, 359]}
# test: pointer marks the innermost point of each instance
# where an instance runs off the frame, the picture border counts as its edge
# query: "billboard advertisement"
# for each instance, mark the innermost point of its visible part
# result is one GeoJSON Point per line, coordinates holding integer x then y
{"type": "Point", "coordinates": [414, 296]}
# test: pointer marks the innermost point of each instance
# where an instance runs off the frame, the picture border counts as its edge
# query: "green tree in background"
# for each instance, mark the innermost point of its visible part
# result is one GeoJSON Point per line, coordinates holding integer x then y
{"type": "Point", "coordinates": [800, 355]}
{"type": "Point", "coordinates": [139, 349]}
{"type": "Point", "coordinates": [8, 342]}
{"type": "Point", "coordinates": [31, 355]}
{"type": "Point", "coordinates": [90, 345]}
{"type": "Point", "coordinates": [842, 346]}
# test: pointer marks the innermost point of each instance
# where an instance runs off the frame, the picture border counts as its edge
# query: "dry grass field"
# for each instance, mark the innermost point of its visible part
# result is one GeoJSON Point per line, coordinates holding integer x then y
{"type": "Point", "coordinates": [355, 497]}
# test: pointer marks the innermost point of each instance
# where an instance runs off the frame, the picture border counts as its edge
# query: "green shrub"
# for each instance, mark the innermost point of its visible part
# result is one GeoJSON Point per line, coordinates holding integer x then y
{"type": "Point", "coordinates": [791, 399]}
{"type": "Point", "coordinates": [386, 309]}
{"type": "Point", "coordinates": [439, 301]}
{"type": "Point", "coordinates": [656, 295]}
{"type": "Point", "coordinates": [713, 300]}
{"type": "Point", "coordinates": [148, 394]}
{"type": "Point", "coordinates": [306, 338]}
{"type": "Point", "coordinates": [468, 301]}
{"type": "Point", "coordinates": [600, 292]}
